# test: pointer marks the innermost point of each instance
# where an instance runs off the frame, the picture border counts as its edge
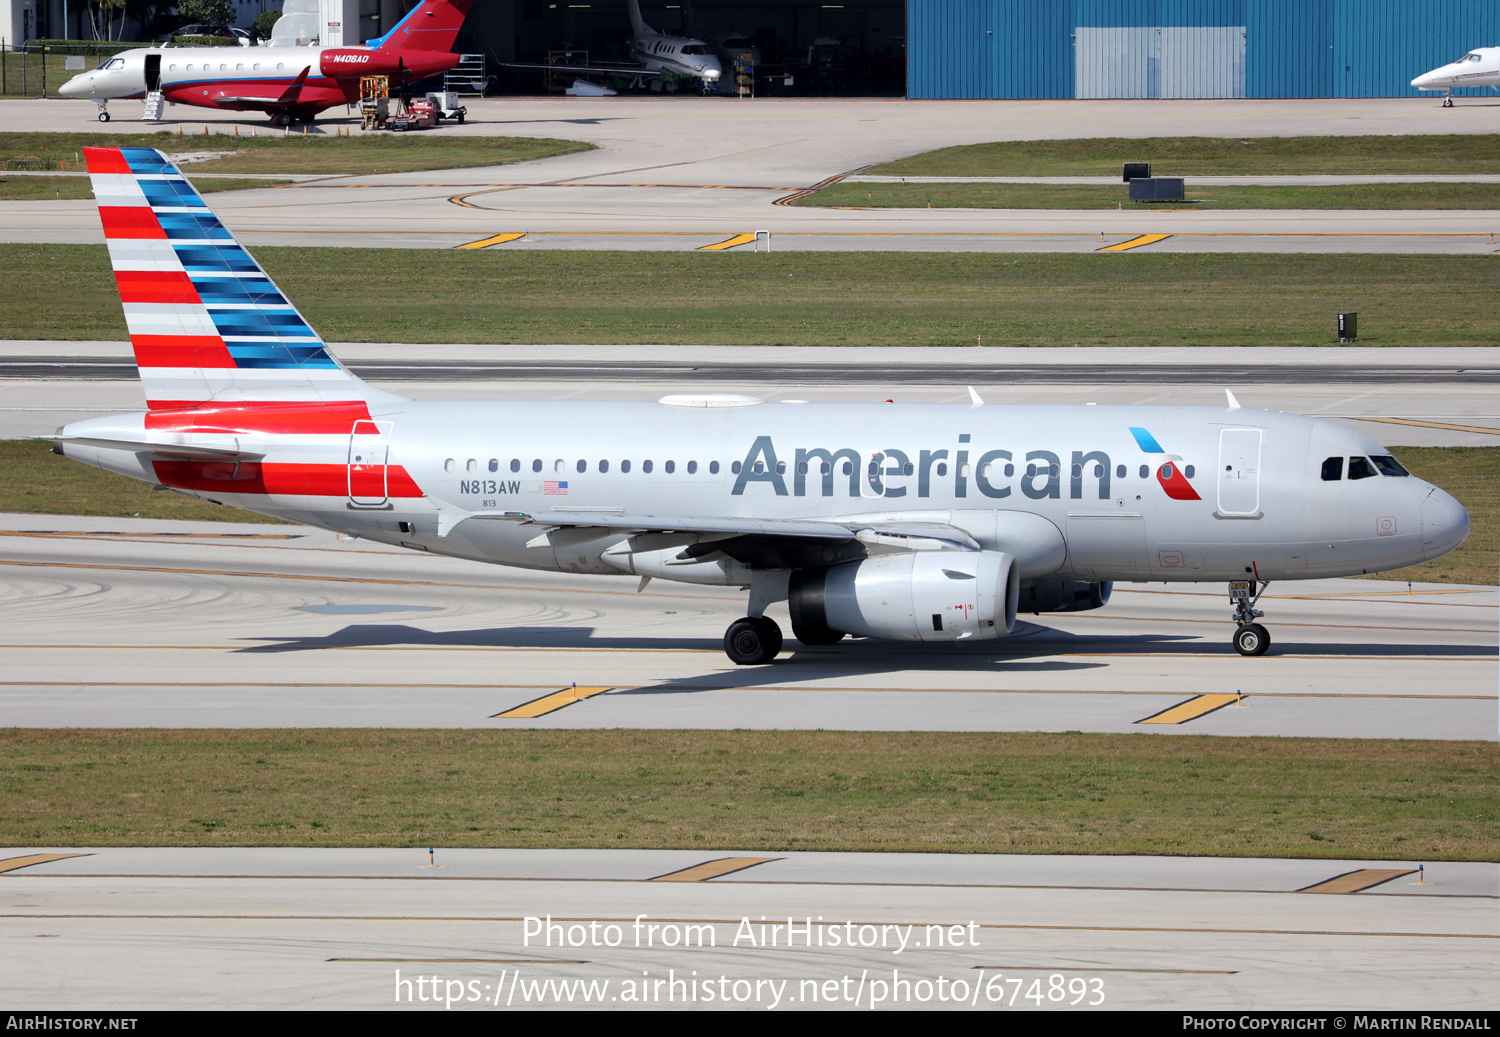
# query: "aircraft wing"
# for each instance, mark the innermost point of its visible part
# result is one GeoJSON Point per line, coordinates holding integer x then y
{"type": "Point", "coordinates": [287, 97]}
{"type": "Point", "coordinates": [896, 535]}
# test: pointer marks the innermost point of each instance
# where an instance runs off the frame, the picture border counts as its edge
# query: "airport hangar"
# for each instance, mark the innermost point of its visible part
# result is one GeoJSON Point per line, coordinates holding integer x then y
{"type": "Point", "coordinates": [967, 49]}
{"type": "Point", "coordinates": [1022, 49]}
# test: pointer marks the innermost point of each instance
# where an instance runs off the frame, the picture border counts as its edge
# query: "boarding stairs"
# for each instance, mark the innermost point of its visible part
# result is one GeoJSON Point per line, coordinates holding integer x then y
{"type": "Point", "coordinates": [155, 105]}
{"type": "Point", "coordinates": [467, 77]}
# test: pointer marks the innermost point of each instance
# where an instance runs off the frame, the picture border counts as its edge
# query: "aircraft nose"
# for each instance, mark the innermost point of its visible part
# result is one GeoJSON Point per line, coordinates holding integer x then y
{"type": "Point", "coordinates": [78, 86]}
{"type": "Point", "coordinates": [1445, 524]}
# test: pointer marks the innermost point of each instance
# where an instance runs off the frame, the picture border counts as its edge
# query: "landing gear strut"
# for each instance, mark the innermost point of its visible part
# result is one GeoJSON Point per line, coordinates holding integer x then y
{"type": "Point", "coordinates": [103, 110]}
{"type": "Point", "coordinates": [752, 640]}
{"type": "Point", "coordinates": [1250, 638]}
{"type": "Point", "coordinates": [1447, 102]}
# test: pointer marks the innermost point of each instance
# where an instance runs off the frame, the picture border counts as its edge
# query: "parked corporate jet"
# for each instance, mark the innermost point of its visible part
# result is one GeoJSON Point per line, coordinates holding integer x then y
{"type": "Point", "coordinates": [912, 522]}
{"type": "Point", "coordinates": [659, 56]}
{"type": "Point", "coordinates": [1479, 67]}
{"type": "Point", "coordinates": [290, 84]}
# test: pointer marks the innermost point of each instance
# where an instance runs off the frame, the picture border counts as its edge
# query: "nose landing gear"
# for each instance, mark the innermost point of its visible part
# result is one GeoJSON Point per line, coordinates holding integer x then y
{"type": "Point", "coordinates": [103, 110]}
{"type": "Point", "coordinates": [1250, 638]}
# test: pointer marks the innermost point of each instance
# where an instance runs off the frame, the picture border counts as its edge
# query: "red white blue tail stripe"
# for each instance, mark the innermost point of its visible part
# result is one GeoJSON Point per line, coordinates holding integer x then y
{"type": "Point", "coordinates": [207, 324]}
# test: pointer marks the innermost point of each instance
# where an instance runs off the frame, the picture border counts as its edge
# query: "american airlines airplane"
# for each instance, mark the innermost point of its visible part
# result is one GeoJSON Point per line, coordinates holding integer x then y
{"type": "Point", "coordinates": [1479, 67]}
{"type": "Point", "coordinates": [290, 84]}
{"type": "Point", "coordinates": [912, 522]}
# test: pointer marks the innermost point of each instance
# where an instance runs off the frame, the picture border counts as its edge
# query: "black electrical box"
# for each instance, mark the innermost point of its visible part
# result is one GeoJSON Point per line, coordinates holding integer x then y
{"type": "Point", "coordinates": [1137, 171]}
{"type": "Point", "coordinates": [1348, 327]}
{"type": "Point", "coordinates": [1156, 189]}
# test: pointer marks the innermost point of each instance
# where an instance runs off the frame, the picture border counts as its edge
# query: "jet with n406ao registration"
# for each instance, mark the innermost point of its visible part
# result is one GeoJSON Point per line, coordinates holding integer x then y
{"type": "Point", "coordinates": [290, 84]}
{"type": "Point", "coordinates": [915, 522]}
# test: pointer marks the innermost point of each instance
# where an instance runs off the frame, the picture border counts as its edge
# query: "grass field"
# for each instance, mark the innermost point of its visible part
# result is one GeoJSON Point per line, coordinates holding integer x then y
{"type": "Point", "coordinates": [50, 188]}
{"type": "Point", "coordinates": [270, 152]}
{"type": "Point", "coordinates": [1200, 156]}
{"type": "Point", "coordinates": [866, 298]}
{"type": "Point", "coordinates": [35, 481]}
{"type": "Point", "coordinates": [755, 790]}
{"type": "Point", "coordinates": [1111, 196]}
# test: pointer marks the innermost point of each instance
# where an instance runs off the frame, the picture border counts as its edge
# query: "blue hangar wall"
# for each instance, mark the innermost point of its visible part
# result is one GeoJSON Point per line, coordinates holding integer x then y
{"type": "Point", "coordinates": [1187, 48]}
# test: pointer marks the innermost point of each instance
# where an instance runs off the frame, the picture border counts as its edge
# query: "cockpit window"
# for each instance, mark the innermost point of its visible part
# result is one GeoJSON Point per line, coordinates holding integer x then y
{"type": "Point", "coordinates": [1361, 468]}
{"type": "Point", "coordinates": [112, 64]}
{"type": "Point", "coordinates": [1388, 465]}
{"type": "Point", "coordinates": [1471, 56]}
{"type": "Point", "coordinates": [1333, 469]}
{"type": "Point", "coordinates": [695, 48]}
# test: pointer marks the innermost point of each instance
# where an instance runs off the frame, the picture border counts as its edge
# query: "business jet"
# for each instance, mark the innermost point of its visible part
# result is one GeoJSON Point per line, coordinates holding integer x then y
{"type": "Point", "coordinates": [1479, 67]}
{"type": "Point", "coordinates": [936, 523]}
{"type": "Point", "coordinates": [290, 84]}
{"type": "Point", "coordinates": [658, 55]}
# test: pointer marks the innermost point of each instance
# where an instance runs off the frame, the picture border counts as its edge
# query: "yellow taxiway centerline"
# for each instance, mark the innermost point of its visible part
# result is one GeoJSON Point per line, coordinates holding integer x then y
{"type": "Point", "coordinates": [550, 703]}
{"type": "Point", "coordinates": [713, 869]}
{"type": "Point", "coordinates": [1357, 881]}
{"type": "Point", "coordinates": [1434, 424]}
{"type": "Point", "coordinates": [719, 246]}
{"type": "Point", "coordinates": [494, 239]}
{"type": "Point", "coordinates": [1192, 709]}
{"type": "Point", "coordinates": [1144, 239]}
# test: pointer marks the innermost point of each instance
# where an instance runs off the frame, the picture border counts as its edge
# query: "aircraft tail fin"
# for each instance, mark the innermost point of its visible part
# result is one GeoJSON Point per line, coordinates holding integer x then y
{"type": "Point", "coordinates": [431, 26]}
{"type": "Point", "coordinates": [638, 26]}
{"type": "Point", "coordinates": [207, 324]}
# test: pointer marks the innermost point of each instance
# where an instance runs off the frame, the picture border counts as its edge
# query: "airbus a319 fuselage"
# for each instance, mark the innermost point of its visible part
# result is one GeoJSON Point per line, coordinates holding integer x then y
{"type": "Point", "coordinates": [915, 522]}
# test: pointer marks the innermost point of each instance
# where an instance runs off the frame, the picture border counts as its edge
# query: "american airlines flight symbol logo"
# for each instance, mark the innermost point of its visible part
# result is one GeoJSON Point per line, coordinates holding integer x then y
{"type": "Point", "coordinates": [1169, 473]}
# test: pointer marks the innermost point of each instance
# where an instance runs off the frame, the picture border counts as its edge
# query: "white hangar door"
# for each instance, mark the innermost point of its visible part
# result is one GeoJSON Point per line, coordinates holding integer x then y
{"type": "Point", "coordinates": [1159, 61]}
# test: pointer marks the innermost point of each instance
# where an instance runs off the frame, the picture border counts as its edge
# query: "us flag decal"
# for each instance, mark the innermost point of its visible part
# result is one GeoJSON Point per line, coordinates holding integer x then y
{"type": "Point", "coordinates": [555, 488]}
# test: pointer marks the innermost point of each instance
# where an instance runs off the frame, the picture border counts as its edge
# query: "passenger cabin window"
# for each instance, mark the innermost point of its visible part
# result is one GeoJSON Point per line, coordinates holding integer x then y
{"type": "Point", "coordinates": [1145, 471]}
{"type": "Point", "coordinates": [1361, 468]}
{"type": "Point", "coordinates": [515, 464]}
{"type": "Point", "coordinates": [670, 467]}
{"type": "Point", "coordinates": [1388, 465]}
{"type": "Point", "coordinates": [448, 465]}
{"type": "Point", "coordinates": [603, 466]}
{"type": "Point", "coordinates": [494, 464]}
{"type": "Point", "coordinates": [1188, 471]}
{"type": "Point", "coordinates": [472, 466]}
{"type": "Point", "coordinates": [713, 468]}
{"type": "Point", "coordinates": [559, 465]}
{"type": "Point", "coordinates": [1333, 469]}
{"type": "Point", "coordinates": [692, 467]}
{"type": "Point", "coordinates": [536, 466]}
{"type": "Point", "coordinates": [583, 466]}
{"type": "Point", "coordinates": [646, 467]}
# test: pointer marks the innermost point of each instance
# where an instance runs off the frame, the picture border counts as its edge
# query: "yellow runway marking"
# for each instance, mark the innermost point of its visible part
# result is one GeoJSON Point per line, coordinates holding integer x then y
{"type": "Point", "coordinates": [719, 246]}
{"type": "Point", "coordinates": [791, 199]}
{"type": "Point", "coordinates": [1144, 239]}
{"type": "Point", "coordinates": [494, 239]}
{"type": "Point", "coordinates": [1356, 881]}
{"type": "Point", "coordinates": [12, 863]}
{"type": "Point", "coordinates": [1433, 424]}
{"type": "Point", "coordinates": [550, 703]}
{"type": "Point", "coordinates": [713, 869]}
{"type": "Point", "coordinates": [1192, 709]}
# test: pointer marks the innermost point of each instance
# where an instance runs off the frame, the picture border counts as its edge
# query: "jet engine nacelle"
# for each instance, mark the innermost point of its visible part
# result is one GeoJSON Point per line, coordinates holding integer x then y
{"type": "Point", "coordinates": [1065, 596]}
{"type": "Point", "coordinates": [920, 596]}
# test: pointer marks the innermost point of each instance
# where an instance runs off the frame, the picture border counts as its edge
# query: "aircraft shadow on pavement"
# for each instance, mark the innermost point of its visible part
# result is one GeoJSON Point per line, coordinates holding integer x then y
{"type": "Point", "coordinates": [1033, 648]}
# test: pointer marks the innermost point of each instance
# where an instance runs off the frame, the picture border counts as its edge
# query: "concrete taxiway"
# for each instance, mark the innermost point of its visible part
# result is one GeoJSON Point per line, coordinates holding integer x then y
{"type": "Point", "coordinates": [134, 622]}
{"type": "Point", "coordinates": [1399, 397]}
{"type": "Point", "coordinates": [151, 928]}
{"type": "Point", "coordinates": [685, 173]}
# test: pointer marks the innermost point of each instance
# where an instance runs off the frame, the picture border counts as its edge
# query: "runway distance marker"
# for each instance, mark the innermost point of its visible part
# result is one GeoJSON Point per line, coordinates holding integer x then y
{"type": "Point", "coordinates": [713, 869]}
{"type": "Point", "coordinates": [540, 707]}
{"type": "Point", "coordinates": [13, 863]}
{"type": "Point", "coordinates": [1192, 709]}
{"type": "Point", "coordinates": [1144, 239]}
{"type": "Point", "coordinates": [737, 240]}
{"type": "Point", "coordinates": [1357, 881]}
{"type": "Point", "coordinates": [494, 239]}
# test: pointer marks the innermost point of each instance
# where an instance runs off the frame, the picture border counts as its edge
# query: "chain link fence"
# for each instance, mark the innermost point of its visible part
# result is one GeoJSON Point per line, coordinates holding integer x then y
{"type": "Point", "coordinates": [38, 67]}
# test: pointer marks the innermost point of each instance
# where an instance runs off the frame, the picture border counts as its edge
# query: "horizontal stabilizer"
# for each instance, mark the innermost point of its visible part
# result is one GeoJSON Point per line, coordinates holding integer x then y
{"type": "Point", "coordinates": [163, 450]}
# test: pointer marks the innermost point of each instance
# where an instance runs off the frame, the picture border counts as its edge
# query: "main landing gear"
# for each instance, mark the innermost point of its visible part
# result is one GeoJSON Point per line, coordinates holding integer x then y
{"type": "Point", "coordinates": [1447, 102]}
{"type": "Point", "coordinates": [1250, 638]}
{"type": "Point", "coordinates": [752, 640]}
